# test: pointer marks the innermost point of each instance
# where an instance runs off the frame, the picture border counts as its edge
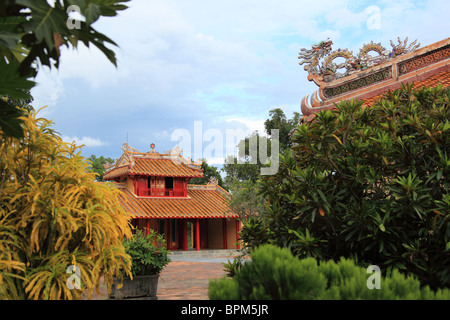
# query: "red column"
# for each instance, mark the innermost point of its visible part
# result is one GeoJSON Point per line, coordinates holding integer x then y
{"type": "Point", "coordinates": [197, 234]}
{"type": "Point", "coordinates": [147, 226]}
{"type": "Point", "coordinates": [224, 232]}
{"type": "Point", "coordinates": [237, 233]}
{"type": "Point", "coordinates": [169, 234]}
{"type": "Point", "coordinates": [185, 242]}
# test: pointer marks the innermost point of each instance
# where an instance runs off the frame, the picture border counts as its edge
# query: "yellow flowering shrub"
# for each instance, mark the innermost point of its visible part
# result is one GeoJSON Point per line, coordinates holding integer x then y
{"type": "Point", "coordinates": [54, 215]}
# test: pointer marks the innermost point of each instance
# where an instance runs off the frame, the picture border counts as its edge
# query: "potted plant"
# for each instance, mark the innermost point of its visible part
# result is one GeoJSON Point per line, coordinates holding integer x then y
{"type": "Point", "coordinates": [149, 256]}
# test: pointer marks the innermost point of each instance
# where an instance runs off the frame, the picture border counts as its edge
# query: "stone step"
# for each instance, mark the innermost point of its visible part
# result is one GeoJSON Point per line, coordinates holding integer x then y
{"type": "Point", "coordinates": [204, 253]}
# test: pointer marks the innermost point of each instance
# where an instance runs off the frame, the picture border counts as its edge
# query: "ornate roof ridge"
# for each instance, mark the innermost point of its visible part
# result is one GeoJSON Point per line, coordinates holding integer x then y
{"type": "Point", "coordinates": [320, 66]}
{"type": "Point", "coordinates": [130, 154]}
{"type": "Point", "coordinates": [365, 74]}
{"type": "Point", "coordinates": [213, 184]}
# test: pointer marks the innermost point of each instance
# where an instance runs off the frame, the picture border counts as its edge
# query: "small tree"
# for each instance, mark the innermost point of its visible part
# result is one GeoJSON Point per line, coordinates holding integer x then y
{"type": "Point", "coordinates": [279, 121]}
{"type": "Point", "coordinates": [96, 165]}
{"type": "Point", "coordinates": [52, 216]}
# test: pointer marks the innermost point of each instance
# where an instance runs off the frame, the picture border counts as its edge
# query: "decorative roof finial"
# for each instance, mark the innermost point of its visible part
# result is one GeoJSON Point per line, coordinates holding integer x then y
{"type": "Point", "coordinates": [213, 181]}
{"type": "Point", "coordinates": [152, 146]}
{"type": "Point", "coordinates": [327, 70]}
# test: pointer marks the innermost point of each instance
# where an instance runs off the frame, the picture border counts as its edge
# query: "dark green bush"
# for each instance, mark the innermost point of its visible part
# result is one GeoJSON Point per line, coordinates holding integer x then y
{"type": "Point", "coordinates": [148, 253]}
{"type": "Point", "coordinates": [369, 183]}
{"type": "Point", "coordinates": [275, 274]}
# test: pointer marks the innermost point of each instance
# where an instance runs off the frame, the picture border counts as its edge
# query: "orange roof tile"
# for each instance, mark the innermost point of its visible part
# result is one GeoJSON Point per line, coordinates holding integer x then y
{"type": "Point", "coordinates": [442, 78]}
{"type": "Point", "coordinates": [155, 166]}
{"type": "Point", "coordinates": [163, 167]}
{"type": "Point", "coordinates": [200, 203]}
{"type": "Point", "coordinates": [115, 173]}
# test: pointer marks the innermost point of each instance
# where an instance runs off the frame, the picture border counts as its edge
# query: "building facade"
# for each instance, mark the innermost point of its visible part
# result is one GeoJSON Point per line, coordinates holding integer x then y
{"type": "Point", "coordinates": [154, 191]}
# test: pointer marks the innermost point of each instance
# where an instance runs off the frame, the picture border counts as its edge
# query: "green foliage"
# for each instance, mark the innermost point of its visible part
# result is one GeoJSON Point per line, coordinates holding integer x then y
{"type": "Point", "coordinates": [245, 167]}
{"type": "Point", "coordinates": [275, 274]}
{"type": "Point", "coordinates": [96, 165]}
{"type": "Point", "coordinates": [31, 34]}
{"type": "Point", "coordinates": [370, 183]}
{"type": "Point", "coordinates": [279, 121]}
{"type": "Point", "coordinates": [233, 266]}
{"type": "Point", "coordinates": [208, 173]}
{"type": "Point", "coordinates": [245, 200]}
{"type": "Point", "coordinates": [254, 232]}
{"type": "Point", "coordinates": [148, 253]}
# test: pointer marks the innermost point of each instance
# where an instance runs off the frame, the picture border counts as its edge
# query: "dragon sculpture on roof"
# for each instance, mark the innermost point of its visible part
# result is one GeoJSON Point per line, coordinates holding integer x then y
{"type": "Point", "coordinates": [329, 70]}
{"type": "Point", "coordinates": [311, 57]}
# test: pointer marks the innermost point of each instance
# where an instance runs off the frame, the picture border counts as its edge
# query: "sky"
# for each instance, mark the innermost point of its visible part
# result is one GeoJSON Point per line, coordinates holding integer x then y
{"type": "Point", "coordinates": [210, 69]}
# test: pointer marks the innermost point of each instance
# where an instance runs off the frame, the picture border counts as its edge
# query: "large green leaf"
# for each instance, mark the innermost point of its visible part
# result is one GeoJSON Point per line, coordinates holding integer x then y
{"type": "Point", "coordinates": [91, 36]}
{"type": "Point", "coordinates": [11, 83]}
{"type": "Point", "coordinates": [10, 35]}
{"type": "Point", "coordinates": [45, 21]}
{"type": "Point", "coordinates": [10, 119]}
{"type": "Point", "coordinates": [89, 9]}
{"type": "Point", "coordinates": [8, 39]}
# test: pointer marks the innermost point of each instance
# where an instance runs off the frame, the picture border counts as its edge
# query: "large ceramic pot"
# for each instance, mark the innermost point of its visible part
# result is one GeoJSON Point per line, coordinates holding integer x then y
{"type": "Point", "coordinates": [141, 287]}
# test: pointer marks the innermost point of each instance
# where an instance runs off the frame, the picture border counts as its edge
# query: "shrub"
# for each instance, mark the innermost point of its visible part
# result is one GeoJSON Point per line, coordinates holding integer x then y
{"type": "Point", "coordinates": [53, 215]}
{"type": "Point", "coordinates": [369, 182]}
{"type": "Point", "coordinates": [275, 274]}
{"type": "Point", "coordinates": [148, 253]}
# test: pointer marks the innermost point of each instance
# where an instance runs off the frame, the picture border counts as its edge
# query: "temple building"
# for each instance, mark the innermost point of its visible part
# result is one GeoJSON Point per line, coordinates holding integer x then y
{"type": "Point", "coordinates": [372, 72]}
{"type": "Point", "coordinates": [156, 194]}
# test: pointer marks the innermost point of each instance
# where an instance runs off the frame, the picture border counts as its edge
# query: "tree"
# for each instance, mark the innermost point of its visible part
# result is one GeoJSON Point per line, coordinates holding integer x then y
{"type": "Point", "coordinates": [244, 171]}
{"type": "Point", "coordinates": [31, 34]}
{"type": "Point", "coordinates": [247, 164]}
{"type": "Point", "coordinates": [55, 219]}
{"type": "Point", "coordinates": [279, 121]}
{"type": "Point", "coordinates": [208, 173]}
{"type": "Point", "coordinates": [96, 165]}
{"type": "Point", "coordinates": [370, 183]}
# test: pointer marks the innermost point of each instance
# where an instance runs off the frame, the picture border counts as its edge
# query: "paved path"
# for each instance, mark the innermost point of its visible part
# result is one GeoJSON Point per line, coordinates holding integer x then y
{"type": "Point", "coordinates": [188, 280]}
{"type": "Point", "coordinates": [184, 278]}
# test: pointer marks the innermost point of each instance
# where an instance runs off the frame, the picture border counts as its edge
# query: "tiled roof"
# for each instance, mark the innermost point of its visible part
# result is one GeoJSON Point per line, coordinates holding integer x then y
{"type": "Point", "coordinates": [442, 78]}
{"type": "Point", "coordinates": [152, 164]}
{"type": "Point", "coordinates": [163, 167]}
{"type": "Point", "coordinates": [202, 202]}
{"type": "Point", "coordinates": [117, 172]}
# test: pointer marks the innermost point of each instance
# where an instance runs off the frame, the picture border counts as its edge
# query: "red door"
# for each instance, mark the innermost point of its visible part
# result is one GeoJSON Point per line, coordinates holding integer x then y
{"type": "Point", "coordinates": [179, 186]}
{"type": "Point", "coordinates": [157, 185]}
{"type": "Point", "coordinates": [142, 187]}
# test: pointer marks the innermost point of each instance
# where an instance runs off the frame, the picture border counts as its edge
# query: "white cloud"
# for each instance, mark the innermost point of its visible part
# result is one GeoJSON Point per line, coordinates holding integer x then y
{"type": "Point", "coordinates": [226, 63]}
{"type": "Point", "coordinates": [49, 89]}
{"type": "Point", "coordinates": [86, 141]}
{"type": "Point", "coordinates": [250, 124]}
{"type": "Point", "coordinates": [90, 65]}
{"type": "Point", "coordinates": [215, 160]}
